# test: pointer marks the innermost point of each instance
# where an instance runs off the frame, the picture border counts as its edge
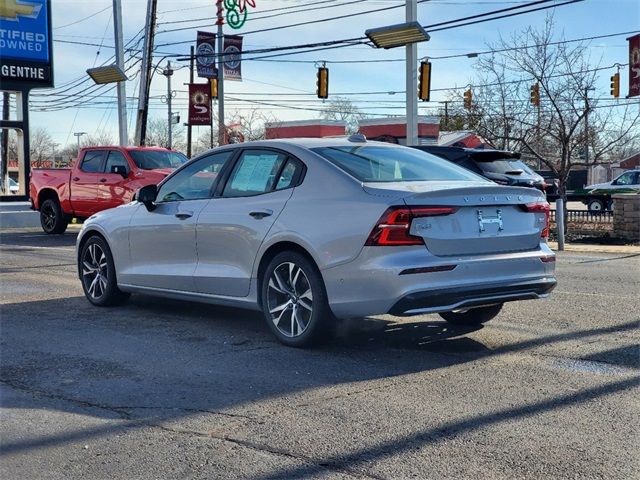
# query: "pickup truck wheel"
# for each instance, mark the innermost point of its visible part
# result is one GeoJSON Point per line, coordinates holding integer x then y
{"type": "Point", "coordinates": [52, 218]}
{"type": "Point", "coordinates": [98, 274]}
{"type": "Point", "coordinates": [595, 205]}
{"type": "Point", "coordinates": [474, 316]}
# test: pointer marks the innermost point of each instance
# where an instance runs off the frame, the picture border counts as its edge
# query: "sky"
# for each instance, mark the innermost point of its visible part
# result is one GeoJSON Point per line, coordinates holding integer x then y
{"type": "Point", "coordinates": [281, 83]}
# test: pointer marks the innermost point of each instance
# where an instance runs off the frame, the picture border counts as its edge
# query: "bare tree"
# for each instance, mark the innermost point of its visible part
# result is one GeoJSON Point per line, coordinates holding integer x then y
{"type": "Point", "coordinates": [555, 134]}
{"type": "Point", "coordinates": [343, 109]}
{"type": "Point", "coordinates": [158, 135]}
{"type": "Point", "coordinates": [41, 147]}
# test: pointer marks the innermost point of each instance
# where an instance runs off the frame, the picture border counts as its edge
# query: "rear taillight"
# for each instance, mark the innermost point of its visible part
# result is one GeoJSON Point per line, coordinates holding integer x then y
{"type": "Point", "coordinates": [539, 207]}
{"type": "Point", "coordinates": [393, 227]}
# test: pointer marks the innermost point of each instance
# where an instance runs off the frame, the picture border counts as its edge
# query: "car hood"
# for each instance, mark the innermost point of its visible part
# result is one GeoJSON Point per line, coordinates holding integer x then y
{"type": "Point", "coordinates": [598, 185]}
{"type": "Point", "coordinates": [164, 171]}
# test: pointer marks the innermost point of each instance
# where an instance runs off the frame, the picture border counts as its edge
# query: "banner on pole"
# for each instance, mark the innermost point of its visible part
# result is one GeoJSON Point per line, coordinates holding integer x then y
{"type": "Point", "coordinates": [634, 65]}
{"type": "Point", "coordinates": [199, 104]}
{"type": "Point", "coordinates": [206, 55]}
{"type": "Point", "coordinates": [232, 57]}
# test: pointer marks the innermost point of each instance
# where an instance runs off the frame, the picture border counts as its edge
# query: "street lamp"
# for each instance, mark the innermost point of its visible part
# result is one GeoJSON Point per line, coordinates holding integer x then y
{"type": "Point", "coordinates": [78, 135]}
{"type": "Point", "coordinates": [397, 35]}
{"type": "Point", "coordinates": [405, 34]}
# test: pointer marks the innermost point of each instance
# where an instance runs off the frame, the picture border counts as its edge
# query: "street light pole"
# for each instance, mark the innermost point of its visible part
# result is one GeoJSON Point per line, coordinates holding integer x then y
{"type": "Point", "coordinates": [122, 91]}
{"type": "Point", "coordinates": [220, 22]}
{"type": "Point", "coordinates": [411, 78]}
{"type": "Point", "coordinates": [78, 135]}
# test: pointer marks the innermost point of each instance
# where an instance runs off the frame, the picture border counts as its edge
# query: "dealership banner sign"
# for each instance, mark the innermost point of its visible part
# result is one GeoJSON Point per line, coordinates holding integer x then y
{"type": "Point", "coordinates": [232, 57]}
{"type": "Point", "coordinates": [199, 104]}
{"type": "Point", "coordinates": [206, 55]}
{"type": "Point", "coordinates": [25, 44]}
{"type": "Point", "coordinates": [634, 65]}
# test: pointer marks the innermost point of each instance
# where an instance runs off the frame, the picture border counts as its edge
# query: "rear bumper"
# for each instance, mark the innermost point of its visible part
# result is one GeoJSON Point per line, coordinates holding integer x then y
{"type": "Point", "coordinates": [447, 299]}
{"type": "Point", "coordinates": [411, 281]}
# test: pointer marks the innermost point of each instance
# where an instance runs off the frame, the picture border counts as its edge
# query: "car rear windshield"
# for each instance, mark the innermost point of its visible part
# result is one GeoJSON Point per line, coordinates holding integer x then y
{"type": "Point", "coordinates": [393, 164]}
{"type": "Point", "coordinates": [151, 159]}
{"type": "Point", "coordinates": [505, 166]}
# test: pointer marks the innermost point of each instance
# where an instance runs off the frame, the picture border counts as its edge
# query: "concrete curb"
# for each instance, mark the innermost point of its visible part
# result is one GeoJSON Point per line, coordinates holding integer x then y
{"type": "Point", "coordinates": [586, 248]}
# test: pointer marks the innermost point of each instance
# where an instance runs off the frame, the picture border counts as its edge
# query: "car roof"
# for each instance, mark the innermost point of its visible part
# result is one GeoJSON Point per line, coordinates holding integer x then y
{"type": "Point", "coordinates": [346, 141]}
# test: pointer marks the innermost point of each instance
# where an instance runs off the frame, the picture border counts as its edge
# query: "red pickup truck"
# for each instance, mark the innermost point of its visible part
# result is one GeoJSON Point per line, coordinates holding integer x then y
{"type": "Point", "coordinates": [100, 178]}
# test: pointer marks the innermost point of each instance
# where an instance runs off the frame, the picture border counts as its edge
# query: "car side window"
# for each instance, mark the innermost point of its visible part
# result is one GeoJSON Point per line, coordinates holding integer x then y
{"type": "Point", "coordinates": [290, 175]}
{"type": "Point", "coordinates": [625, 179]}
{"type": "Point", "coordinates": [194, 181]}
{"type": "Point", "coordinates": [255, 172]}
{"type": "Point", "coordinates": [116, 158]}
{"type": "Point", "coordinates": [92, 161]}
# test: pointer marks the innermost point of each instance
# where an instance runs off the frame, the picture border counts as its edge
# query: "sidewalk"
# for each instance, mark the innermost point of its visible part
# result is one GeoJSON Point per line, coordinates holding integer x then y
{"type": "Point", "coordinates": [595, 248]}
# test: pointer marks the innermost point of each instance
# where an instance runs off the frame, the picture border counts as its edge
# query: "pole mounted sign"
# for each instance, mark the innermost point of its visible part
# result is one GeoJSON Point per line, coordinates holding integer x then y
{"type": "Point", "coordinates": [232, 57]}
{"type": "Point", "coordinates": [634, 65]}
{"type": "Point", "coordinates": [199, 104]}
{"type": "Point", "coordinates": [206, 55]}
{"type": "Point", "coordinates": [26, 55]}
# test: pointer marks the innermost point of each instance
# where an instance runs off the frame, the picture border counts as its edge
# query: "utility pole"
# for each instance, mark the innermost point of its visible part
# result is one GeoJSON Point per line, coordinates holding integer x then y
{"type": "Point", "coordinates": [167, 72]}
{"type": "Point", "coordinates": [586, 126]}
{"type": "Point", "coordinates": [412, 78]}
{"type": "Point", "coordinates": [220, 22]}
{"type": "Point", "coordinates": [122, 90]}
{"type": "Point", "coordinates": [446, 114]}
{"type": "Point", "coordinates": [145, 73]}
{"type": "Point", "coordinates": [4, 145]}
{"type": "Point", "coordinates": [191, 66]}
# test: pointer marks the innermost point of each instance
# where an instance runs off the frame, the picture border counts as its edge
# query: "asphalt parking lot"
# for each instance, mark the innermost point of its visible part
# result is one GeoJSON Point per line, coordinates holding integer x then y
{"type": "Point", "coordinates": [168, 389]}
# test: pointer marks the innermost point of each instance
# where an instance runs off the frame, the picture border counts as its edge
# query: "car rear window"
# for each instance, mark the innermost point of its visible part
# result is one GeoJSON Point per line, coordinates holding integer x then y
{"type": "Point", "coordinates": [151, 159]}
{"type": "Point", "coordinates": [505, 166]}
{"type": "Point", "coordinates": [389, 164]}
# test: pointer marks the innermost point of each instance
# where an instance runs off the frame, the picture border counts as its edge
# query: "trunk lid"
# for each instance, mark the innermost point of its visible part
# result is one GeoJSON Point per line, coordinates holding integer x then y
{"type": "Point", "coordinates": [487, 219]}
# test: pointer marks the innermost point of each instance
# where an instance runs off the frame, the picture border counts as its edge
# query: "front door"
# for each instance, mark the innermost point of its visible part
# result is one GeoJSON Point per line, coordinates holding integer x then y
{"type": "Point", "coordinates": [112, 189]}
{"type": "Point", "coordinates": [162, 241]}
{"type": "Point", "coordinates": [233, 226]}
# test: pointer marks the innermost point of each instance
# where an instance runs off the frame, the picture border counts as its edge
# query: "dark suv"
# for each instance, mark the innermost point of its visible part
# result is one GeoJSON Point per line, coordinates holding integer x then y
{"type": "Point", "coordinates": [500, 166]}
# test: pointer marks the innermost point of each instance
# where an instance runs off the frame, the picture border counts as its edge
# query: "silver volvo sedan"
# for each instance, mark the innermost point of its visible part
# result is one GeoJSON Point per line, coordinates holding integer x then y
{"type": "Point", "coordinates": [310, 230]}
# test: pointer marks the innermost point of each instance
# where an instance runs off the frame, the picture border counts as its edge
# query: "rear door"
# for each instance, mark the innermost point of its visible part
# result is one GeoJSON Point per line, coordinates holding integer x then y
{"type": "Point", "coordinates": [112, 189]}
{"type": "Point", "coordinates": [84, 183]}
{"type": "Point", "coordinates": [234, 224]}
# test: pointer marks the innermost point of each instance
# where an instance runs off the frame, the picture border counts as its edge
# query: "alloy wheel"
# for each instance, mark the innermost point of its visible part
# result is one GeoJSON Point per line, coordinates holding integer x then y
{"type": "Point", "coordinates": [48, 216]}
{"type": "Point", "coordinates": [94, 271]}
{"type": "Point", "coordinates": [289, 299]}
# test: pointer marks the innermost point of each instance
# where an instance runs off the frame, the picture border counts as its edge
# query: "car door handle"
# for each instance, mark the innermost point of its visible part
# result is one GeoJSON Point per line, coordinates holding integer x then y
{"type": "Point", "coordinates": [103, 180]}
{"type": "Point", "coordinates": [75, 179]}
{"type": "Point", "coordinates": [184, 215]}
{"type": "Point", "coordinates": [261, 213]}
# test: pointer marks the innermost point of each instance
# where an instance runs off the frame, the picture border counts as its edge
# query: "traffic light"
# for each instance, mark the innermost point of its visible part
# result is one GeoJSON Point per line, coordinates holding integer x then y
{"type": "Point", "coordinates": [214, 88]}
{"type": "Point", "coordinates": [424, 85]}
{"type": "Point", "coordinates": [323, 82]}
{"type": "Point", "coordinates": [468, 97]}
{"type": "Point", "coordinates": [535, 94]}
{"type": "Point", "coordinates": [615, 85]}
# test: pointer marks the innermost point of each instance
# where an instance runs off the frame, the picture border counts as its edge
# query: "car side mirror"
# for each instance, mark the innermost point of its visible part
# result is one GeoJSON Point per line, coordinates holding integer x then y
{"type": "Point", "coordinates": [120, 170]}
{"type": "Point", "coordinates": [147, 195]}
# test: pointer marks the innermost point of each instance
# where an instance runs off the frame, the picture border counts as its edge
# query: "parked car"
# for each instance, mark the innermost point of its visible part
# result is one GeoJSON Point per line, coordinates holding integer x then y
{"type": "Point", "coordinates": [600, 193]}
{"type": "Point", "coordinates": [14, 187]}
{"type": "Point", "coordinates": [307, 230]}
{"type": "Point", "coordinates": [499, 166]}
{"type": "Point", "coordinates": [101, 178]}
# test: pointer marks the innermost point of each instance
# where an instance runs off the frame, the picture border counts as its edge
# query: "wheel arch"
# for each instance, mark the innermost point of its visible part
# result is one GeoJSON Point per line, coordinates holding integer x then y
{"type": "Point", "coordinates": [272, 251]}
{"type": "Point", "coordinates": [46, 194]}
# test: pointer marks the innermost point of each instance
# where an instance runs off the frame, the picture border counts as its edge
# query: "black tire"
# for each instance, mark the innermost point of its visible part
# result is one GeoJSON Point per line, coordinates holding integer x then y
{"type": "Point", "coordinates": [596, 205]}
{"type": "Point", "coordinates": [314, 324]}
{"type": "Point", "coordinates": [474, 316]}
{"type": "Point", "coordinates": [52, 218]}
{"type": "Point", "coordinates": [99, 265]}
